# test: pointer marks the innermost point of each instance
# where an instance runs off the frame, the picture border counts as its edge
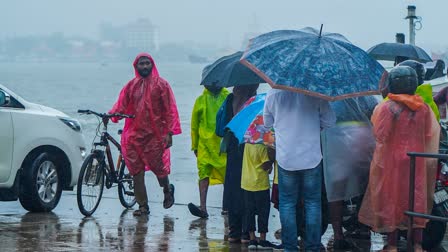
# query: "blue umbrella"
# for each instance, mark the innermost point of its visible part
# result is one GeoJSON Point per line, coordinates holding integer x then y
{"type": "Point", "coordinates": [248, 125]}
{"type": "Point", "coordinates": [228, 71]}
{"type": "Point", "coordinates": [324, 65]}
{"type": "Point", "coordinates": [389, 51]}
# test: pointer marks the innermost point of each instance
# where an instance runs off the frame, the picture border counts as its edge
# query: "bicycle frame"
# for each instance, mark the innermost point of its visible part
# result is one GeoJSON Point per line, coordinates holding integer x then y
{"type": "Point", "coordinates": [104, 141]}
{"type": "Point", "coordinates": [104, 172]}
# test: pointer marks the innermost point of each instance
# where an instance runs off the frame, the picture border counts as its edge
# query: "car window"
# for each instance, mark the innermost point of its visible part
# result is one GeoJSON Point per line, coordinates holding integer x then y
{"type": "Point", "coordinates": [11, 101]}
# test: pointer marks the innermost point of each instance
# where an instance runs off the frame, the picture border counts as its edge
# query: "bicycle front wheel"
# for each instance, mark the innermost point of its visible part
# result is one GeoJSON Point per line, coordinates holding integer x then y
{"type": "Point", "coordinates": [125, 187]}
{"type": "Point", "coordinates": [90, 185]}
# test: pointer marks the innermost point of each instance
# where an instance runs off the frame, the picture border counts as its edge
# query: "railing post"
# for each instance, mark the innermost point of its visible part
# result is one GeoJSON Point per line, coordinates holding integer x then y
{"type": "Point", "coordinates": [410, 240]}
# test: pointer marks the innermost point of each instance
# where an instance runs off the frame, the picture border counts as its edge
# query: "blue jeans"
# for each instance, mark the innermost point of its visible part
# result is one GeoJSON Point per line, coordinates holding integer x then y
{"type": "Point", "coordinates": [293, 186]}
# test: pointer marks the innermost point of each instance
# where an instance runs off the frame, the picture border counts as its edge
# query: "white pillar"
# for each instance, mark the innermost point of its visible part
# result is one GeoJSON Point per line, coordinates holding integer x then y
{"type": "Point", "coordinates": [411, 16]}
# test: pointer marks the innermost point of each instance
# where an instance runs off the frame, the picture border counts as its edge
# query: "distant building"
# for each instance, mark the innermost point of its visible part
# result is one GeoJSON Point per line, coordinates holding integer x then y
{"type": "Point", "coordinates": [141, 35]}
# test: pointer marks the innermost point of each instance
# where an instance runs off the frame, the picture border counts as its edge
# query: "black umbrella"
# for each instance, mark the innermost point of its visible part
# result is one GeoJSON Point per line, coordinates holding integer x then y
{"type": "Point", "coordinates": [389, 51]}
{"type": "Point", "coordinates": [228, 71]}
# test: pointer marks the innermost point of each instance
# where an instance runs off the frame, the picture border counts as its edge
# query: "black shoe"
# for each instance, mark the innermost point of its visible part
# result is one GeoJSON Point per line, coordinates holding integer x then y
{"type": "Point", "coordinates": [342, 245]}
{"type": "Point", "coordinates": [278, 247]}
{"type": "Point", "coordinates": [266, 245]}
{"type": "Point", "coordinates": [358, 234]}
{"type": "Point", "coordinates": [196, 211]}
{"type": "Point", "coordinates": [252, 245]}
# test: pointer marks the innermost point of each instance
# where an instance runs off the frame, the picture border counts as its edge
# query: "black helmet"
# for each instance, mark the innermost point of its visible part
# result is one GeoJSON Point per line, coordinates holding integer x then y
{"type": "Point", "coordinates": [440, 64]}
{"type": "Point", "coordinates": [402, 80]}
{"type": "Point", "coordinates": [418, 67]}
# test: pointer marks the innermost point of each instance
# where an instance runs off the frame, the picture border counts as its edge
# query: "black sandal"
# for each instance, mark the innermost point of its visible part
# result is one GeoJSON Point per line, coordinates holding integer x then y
{"type": "Point", "coordinates": [142, 211]}
{"type": "Point", "coordinates": [169, 201]}
{"type": "Point", "coordinates": [358, 234]}
{"type": "Point", "coordinates": [196, 211]}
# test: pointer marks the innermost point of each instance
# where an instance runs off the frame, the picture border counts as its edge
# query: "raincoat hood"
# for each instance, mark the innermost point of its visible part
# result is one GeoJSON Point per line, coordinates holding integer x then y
{"type": "Point", "coordinates": [151, 101]}
{"type": "Point", "coordinates": [154, 71]}
{"type": "Point", "coordinates": [425, 91]}
{"type": "Point", "coordinates": [413, 102]}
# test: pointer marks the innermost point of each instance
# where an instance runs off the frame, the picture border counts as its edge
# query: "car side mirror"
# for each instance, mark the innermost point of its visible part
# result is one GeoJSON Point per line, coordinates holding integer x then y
{"type": "Point", "coordinates": [2, 98]}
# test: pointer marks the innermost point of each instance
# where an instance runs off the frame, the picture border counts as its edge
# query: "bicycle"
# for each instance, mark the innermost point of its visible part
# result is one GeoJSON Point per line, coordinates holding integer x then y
{"type": "Point", "coordinates": [98, 169]}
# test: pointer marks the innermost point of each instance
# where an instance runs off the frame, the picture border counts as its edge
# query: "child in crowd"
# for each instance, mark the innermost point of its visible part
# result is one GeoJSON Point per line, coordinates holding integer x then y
{"type": "Point", "coordinates": [257, 164]}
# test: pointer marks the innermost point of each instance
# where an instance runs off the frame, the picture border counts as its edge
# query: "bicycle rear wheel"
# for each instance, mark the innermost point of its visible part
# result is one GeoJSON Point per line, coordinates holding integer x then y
{"type": "Point", "coordinates": [125, 187]}
{"type": "Point", "coordinates": [90, 185]}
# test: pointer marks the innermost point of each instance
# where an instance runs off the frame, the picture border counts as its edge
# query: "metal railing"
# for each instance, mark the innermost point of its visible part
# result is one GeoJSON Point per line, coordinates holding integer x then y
{"type": "Point", "coordinates": [410, 212]}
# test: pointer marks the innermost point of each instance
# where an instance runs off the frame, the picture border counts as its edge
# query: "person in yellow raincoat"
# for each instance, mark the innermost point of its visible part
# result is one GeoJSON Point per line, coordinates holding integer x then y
{"type": "Point", "coordinates": [205, 144]}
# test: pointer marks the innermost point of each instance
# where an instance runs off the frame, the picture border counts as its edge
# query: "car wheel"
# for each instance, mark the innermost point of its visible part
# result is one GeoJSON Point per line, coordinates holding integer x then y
{"type": "Point", "coordinates": [41, 188]}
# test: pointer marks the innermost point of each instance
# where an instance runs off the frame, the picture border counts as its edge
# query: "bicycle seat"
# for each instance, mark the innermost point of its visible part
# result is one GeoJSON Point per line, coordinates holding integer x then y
{"type": "Point", "coordinates": [120, 132]}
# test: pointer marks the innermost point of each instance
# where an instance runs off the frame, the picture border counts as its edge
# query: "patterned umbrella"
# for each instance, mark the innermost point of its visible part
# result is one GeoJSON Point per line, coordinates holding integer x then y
{"type": "Point", "coordinates": [324, 65]}
{"type": "Point", "coordinates": [248, 125]}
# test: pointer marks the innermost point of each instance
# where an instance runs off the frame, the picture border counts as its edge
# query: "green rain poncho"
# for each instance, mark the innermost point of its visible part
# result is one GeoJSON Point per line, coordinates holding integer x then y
{"type": "Point", "coordinates": [425, 91]}
{"type": "Point", "coordinates": [210, 163]}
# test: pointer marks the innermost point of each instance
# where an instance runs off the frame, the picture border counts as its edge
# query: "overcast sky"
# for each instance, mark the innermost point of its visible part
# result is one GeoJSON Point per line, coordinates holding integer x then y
{"type": "Point", "coordinates": [224, 22]}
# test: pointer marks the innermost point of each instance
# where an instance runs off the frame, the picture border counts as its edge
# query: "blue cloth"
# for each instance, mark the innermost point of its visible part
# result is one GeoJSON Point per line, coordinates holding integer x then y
{"type": "Point", "coordinates": [292, 186]}
{"type": "Point", "coordinates": [223, 116]}
{"type": "Point", "coordinates": [327, 66]}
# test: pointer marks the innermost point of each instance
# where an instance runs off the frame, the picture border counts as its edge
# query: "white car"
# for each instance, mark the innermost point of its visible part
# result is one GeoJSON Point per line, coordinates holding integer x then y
{"type": "Point", "coordinates": [41, 152]}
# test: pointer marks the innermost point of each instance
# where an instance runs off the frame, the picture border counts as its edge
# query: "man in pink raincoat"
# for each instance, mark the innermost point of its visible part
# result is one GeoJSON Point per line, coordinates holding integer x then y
{"type": "Point", "coordinates": [146, 139]}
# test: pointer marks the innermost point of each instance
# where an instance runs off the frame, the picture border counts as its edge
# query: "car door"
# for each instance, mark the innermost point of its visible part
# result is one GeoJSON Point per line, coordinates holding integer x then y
{"type": "Point", "coordinates": [6, 141]}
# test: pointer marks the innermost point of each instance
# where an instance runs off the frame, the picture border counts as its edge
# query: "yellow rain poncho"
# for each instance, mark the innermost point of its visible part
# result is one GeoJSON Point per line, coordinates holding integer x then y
{"type": "Point", "coordinates": [425, 91]}
{"type": "Point", "coordinates": [210, 163]}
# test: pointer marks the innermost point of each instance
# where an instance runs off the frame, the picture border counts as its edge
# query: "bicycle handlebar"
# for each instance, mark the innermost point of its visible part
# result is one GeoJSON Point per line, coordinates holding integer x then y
{"type": "Point", "coordinates": [104, 115]}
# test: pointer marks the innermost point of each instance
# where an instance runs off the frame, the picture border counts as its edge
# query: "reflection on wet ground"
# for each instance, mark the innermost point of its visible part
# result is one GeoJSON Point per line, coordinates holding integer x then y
{"type": "Point", "coordinates": [124, 232]}
{"type": "Point", "coordinates": [113, 229]}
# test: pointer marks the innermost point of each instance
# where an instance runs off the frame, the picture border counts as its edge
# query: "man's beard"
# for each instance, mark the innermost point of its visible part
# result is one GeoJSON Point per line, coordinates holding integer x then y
{"type": "Point", "coordinates": [144, 72]}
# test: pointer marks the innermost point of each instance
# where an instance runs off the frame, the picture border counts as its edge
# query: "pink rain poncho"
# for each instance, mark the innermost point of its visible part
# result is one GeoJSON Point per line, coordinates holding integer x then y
{"type": "Point", "coordinates": [152, 102]}
{"type": "Point", "coordinates": [402, 124]}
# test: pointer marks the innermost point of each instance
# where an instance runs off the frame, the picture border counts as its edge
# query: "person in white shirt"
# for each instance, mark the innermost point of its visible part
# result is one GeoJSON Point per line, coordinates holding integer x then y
{"type": "Point", "coordinates": [297, 120]}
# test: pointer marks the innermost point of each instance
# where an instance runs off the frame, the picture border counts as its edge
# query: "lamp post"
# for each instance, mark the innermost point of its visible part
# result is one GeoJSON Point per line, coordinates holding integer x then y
{"type": "Point", "coordinates": [414, 20]}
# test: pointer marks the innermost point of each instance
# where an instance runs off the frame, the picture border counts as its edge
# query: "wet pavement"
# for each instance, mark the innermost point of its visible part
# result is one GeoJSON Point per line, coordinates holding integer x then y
{"type": "Point", "coordinates": [112, 228]}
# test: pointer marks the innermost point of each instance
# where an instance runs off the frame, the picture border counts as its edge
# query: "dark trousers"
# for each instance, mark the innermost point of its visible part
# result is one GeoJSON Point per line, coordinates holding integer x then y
{"type": "Point", "coordinates": [256, 203]}
{"type": "Point", "coordinates": [233, 194]}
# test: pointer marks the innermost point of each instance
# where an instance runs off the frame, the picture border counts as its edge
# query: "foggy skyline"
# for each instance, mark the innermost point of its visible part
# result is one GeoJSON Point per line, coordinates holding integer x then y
{"type": "Point", "coordinates": [225, 23]}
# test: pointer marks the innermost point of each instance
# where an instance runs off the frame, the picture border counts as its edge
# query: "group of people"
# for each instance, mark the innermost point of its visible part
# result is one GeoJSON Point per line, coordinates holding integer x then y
{"type": "Point", "coordinates": [357, 146]}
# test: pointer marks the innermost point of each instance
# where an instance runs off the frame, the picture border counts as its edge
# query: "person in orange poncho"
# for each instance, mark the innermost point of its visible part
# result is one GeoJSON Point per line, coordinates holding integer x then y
{"type": "Point", "coordinates": [146, 139]}
{"type": "Point", "coordinates": [402, 124]}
